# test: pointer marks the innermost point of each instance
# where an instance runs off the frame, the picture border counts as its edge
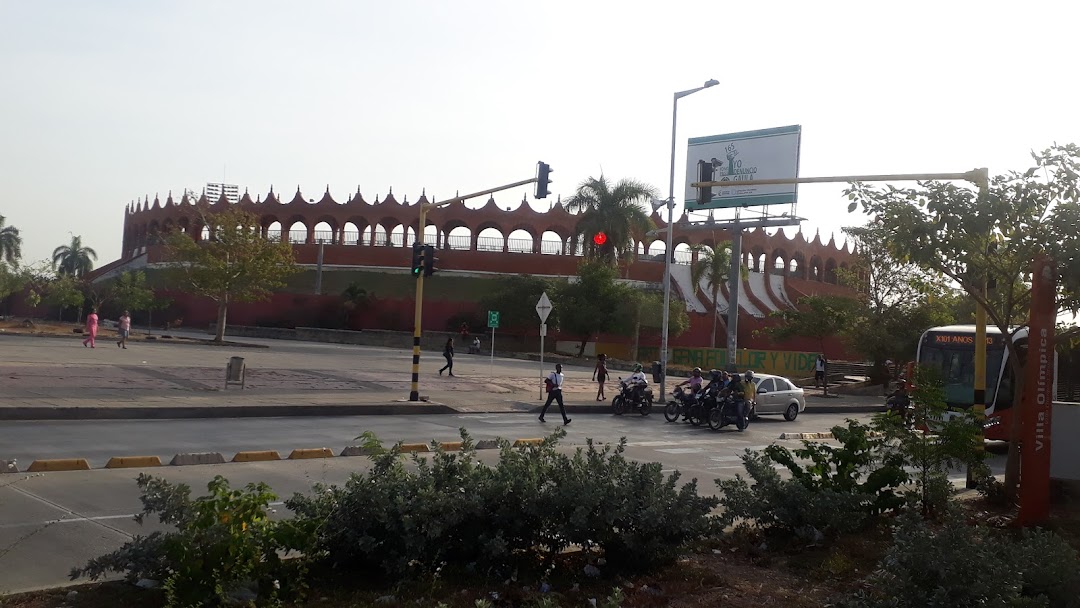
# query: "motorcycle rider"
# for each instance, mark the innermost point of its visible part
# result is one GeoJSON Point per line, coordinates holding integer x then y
{"type": "Point", "coordinates": [694, 381]}
{"type": "Point", "coordinates": [638, 383]}
{"type": "Point", "coordinates": [742, 390]}
{"type": "Point", "coordinates": [899, 399]}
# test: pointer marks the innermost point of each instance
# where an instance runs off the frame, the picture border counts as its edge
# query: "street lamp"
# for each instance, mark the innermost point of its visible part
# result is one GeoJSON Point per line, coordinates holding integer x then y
{"type": "Point", "coordinates": [671, 218]}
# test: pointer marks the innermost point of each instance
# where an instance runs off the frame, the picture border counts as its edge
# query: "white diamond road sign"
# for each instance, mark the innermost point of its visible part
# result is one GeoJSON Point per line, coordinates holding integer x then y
{"type": "Point", "coordinates": [543, 307]}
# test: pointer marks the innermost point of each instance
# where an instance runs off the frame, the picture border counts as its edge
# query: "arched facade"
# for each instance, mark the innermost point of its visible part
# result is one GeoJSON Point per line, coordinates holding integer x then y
{"type": "Point", "coordinates": [362, 233]}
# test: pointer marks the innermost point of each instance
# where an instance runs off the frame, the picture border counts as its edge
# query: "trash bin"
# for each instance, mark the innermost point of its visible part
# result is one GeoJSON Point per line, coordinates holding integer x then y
{"type": "Point", "coordinates": [235, 372]}
{"type": "Point", "coordinates": [657, 372]}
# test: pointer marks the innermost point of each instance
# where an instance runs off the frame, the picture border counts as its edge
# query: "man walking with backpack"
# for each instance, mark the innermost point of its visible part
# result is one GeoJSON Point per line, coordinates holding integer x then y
{"type": "Point", "coordinates": [554, 385]}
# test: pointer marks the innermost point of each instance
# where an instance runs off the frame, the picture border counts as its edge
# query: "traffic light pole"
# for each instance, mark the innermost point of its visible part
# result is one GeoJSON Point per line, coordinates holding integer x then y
{"type": "Point", "coordinates": [414, 388]}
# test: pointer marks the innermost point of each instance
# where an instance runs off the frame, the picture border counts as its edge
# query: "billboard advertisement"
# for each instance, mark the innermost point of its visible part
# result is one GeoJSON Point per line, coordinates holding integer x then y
{"type": "Point", "coordinates": [750, 155]}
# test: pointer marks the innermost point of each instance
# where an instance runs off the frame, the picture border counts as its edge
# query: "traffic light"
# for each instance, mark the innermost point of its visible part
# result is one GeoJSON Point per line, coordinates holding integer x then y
{"type": "Point", "coordinates": [705, 174]}
{"type": "Point", "coordinates": [417, 259]}
{"type": "Point", "coordinates": [429, 260]}
{"type": "Point", "coordinates": [543, 171]}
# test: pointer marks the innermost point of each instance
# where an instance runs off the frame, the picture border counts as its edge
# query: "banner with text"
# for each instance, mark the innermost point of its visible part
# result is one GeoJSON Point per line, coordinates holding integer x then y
{"type": "Point", "coordinates": [750, 155]}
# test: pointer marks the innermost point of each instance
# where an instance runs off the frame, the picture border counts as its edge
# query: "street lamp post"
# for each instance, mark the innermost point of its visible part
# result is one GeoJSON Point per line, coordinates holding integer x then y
{"type": "Point", "coordinates": [668, 253]}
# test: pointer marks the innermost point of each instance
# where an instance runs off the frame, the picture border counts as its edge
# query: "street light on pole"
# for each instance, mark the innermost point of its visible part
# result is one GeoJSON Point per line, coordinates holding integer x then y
{"type": "Point", "coordinates": [671, 218]}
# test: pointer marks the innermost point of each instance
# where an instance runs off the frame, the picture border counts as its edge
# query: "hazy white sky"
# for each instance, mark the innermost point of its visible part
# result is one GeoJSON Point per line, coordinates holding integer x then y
{"type": "Point", "coordinates": [104, 102]}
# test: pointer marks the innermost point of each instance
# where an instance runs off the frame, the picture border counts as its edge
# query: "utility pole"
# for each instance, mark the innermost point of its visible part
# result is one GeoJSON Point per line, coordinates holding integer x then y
{"type": "Point", "coordinates": [541, 180]}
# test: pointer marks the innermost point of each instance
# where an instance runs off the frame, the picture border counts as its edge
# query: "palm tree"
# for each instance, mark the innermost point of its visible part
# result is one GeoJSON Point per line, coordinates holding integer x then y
{"type": "Point", "coordinates": [74, 259]}
{"type": "Point", "coordinates": [714, 266]}
{"type": "Point", "coordinates": [617, 212]}
{"type": "Point", "coordinates": [10, 243]}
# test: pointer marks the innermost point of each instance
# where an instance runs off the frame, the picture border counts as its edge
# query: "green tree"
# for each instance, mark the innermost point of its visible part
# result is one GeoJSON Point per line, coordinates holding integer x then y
{"type": "Point", "coordinates": [972, 239]}
{"type": "Point", "coordinates": [64, 292]}
{"type": "Point", "coordinates": [515, 298]}
{"type": "Point", "coordinates": [130, 291]}
{"type": "Point", "coordinates": [713, 267]}
{"type": "Point", "coordinates": [10, 243]}
{"type": "Point", "coordinates": [617, 212]}
{"type": "Point", "coordinates": [816, 317]}
{"type": "Point", "coordinates": [74, 259]}
{"type": "Point", "coordinates": [899, 300]}
{"type": "Point", "coordinates": [646, 307]}
{"type": "Point", "coordinates": [235, 264]}
{"type": "Point", "coordinates": [593, 304]}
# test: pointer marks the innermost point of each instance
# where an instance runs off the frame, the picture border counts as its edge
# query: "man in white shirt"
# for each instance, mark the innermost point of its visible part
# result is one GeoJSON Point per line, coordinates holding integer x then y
{"type": "Point", "coordinates": [554, 382]}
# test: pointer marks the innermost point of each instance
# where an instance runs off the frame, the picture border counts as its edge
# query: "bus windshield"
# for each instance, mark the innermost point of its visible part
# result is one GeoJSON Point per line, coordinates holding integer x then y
{"type": "Point", "coordinates": [953, 355]}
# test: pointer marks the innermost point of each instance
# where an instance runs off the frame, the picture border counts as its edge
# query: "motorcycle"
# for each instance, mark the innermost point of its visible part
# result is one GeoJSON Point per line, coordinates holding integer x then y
{"type": "Point", "coordinates": [684, 403]}
{"type": "Point", "coordinates": [899, 404]}
{"type": "Point", "coordinates": [630, 398]}
{"type": "Point", "coordinates": [729, 410]}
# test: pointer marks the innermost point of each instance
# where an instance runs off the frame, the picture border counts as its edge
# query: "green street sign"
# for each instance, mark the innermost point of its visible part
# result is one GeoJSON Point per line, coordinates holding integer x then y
{"type": "Point", "coordinates": [493, 318]}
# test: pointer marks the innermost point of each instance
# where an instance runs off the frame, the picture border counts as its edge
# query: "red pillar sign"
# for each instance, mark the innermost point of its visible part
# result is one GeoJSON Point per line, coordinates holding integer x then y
{"type": "Point", "coordinates": [1038, 397]}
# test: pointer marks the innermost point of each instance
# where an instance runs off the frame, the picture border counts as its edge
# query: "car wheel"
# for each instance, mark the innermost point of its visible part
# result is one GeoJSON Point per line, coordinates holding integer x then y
{"type": "Point", "coordinates": [792, 412]}
{"type": "Point", "coordinates": [618, 405]}
{"type": "Point", "coordinates": [671, 411]}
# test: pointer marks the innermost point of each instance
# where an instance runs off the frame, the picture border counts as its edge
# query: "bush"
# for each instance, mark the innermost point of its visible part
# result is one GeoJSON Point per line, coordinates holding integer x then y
{"type": "Point", "coordinates": [954, 565]}
{"type": "Point", "coordinates": [223, 543]}
{"type": "Point", "coordinates": [518, 514]}
{"type": "Point", "coordinates": [842, 488]}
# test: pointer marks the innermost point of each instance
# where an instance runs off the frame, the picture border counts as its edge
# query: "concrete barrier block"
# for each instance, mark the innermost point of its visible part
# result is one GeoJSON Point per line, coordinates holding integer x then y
{"type": "Point", "coordinates": [523, 442]}
{"type": "Point", "coordinates": [197, 458]}
{"type": "Point", "coordinates": [451, 446]}
{"type": "Point", "coordinates": [415, 447]}
{"type": "Point", "coordinates": [307, 453]}
{"type": "Point", "coordinates": [256, 456]}
{"type": "Point", "coordinates": [132, 462]}
{"type": "Point", "coordinates": [355, 450]}
{"type": "Point", "coordinates": [487, 444]}
{"type": "Point", "coordinates": [8, 466]}
{"type": "Point", "coordinates": [59, 464]}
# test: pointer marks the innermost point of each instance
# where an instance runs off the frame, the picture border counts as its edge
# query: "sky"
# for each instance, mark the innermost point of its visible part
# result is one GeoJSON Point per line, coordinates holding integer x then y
{"type": "Point", "coordinates": [111, 101]}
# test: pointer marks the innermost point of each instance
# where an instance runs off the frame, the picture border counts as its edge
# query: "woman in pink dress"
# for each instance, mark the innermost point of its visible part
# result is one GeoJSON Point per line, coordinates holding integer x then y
{"type": "Point", "coordinates": [91, 328]}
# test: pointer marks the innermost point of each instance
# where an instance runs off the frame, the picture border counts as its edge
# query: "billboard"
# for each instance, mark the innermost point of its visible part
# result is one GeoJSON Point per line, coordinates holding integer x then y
{"type": "Point", "coordinates": [762, 154]}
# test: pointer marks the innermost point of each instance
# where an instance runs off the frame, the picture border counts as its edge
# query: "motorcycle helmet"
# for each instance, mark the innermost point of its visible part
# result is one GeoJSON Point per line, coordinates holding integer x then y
{"type": "Point", "coordinates": [696, 371]}
{"type": "Point", "coordinates": [637, 367]}
{"type": "Point", "coordinates": [748, 376]}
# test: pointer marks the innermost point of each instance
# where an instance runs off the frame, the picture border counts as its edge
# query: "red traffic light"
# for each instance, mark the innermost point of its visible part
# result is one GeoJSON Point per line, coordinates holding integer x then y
{"type": "Point", "coordinates": [599, 238]}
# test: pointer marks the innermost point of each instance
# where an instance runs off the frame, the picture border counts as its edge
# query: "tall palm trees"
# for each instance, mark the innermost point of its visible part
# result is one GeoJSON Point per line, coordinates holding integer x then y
{"type": "Point", "coordinates": [74, 259]}
{"type": "Point", "coordinates": [714, 267]}
{"type": "Point", "coordinates": [616, 211]}
{"type": "Point", "coordinates": [10, 243]}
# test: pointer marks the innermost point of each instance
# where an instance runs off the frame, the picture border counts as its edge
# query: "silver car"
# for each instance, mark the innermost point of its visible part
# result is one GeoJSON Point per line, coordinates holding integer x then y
{"type": "Point", "coordinates": [777, 395]}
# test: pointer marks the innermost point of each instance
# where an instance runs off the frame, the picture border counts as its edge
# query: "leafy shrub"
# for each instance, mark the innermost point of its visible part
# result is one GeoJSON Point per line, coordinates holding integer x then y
{"type": "Point", "coordinates": [519, 513]}
{"type": "Point", "coordinates": [223, 542]}
{"type": "Point", "coordinates": [954, 565]}
{"type": "Point", "coordinates": [841, 489]}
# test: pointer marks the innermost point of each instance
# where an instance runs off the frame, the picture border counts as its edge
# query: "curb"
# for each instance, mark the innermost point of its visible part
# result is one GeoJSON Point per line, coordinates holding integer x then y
{"type": "Point", "coordinates": [217, 411]}
{"type": "Point", "coordinates": [154, 340]}
{"type": "Point", "coordinates": [828, 435]}
{"type": "Point", "coordinates": [204, 458]}
{"type": "Point", "coordinates": [843, 409]}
